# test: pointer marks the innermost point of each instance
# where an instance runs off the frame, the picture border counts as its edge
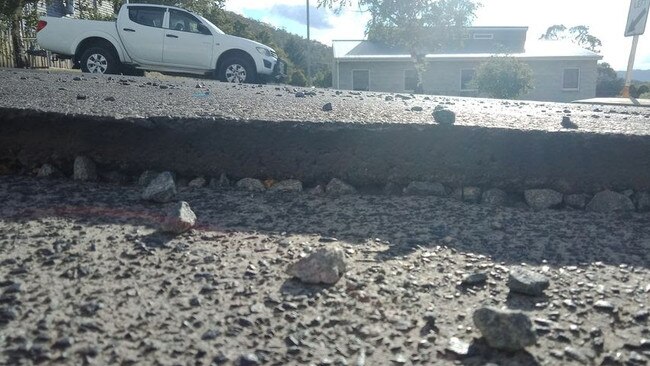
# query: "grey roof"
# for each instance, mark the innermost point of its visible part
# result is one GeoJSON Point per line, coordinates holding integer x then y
{"type": "Point", "coordinates": [534, 49]}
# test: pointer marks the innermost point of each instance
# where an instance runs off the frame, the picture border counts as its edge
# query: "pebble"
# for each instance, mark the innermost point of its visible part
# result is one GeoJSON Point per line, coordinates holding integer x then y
{"type": "Point", "coordinates": [210, 335]}
{"type": "Point", "coordinates": [576, 355]}
{"type": "Point", "coordinates": [474, 279]}
{"type": "Point", "coordinates": [7, 314]}
{"type": "Point", "coordinates": [524, 281]}
{"type": "Point", "coordinates": [567, 123]}
{"type": "Point", "coordinates": [504, 329]}
{"type": "Point", "coordinates": [458, 347]}
{"type": "Point", "coordinates": [444, 116]}
{"type": "Point", "coordinates": [249, 359]}
{"type": "Point", "coordinates": [604, 305]}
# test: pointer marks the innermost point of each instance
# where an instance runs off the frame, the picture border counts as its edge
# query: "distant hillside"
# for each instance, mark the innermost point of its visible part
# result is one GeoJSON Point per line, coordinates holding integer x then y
{"type": "Point", "coordinates": [290, 47]}
{"type": "Point", "coordinates": [638, 75]}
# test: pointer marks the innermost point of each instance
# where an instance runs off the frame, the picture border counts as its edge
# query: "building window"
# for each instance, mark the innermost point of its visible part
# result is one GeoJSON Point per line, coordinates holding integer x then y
{"type": "Point", "coordinates": [483, 36]}
{"type": "Point", "coordinates": [466, 78]}
{"type": "Point", "coordinates": [410, 80]}
{"type": "Point", "coordinates": [571, 80]}
{"type": "Point", "coordinates": [361, 80]}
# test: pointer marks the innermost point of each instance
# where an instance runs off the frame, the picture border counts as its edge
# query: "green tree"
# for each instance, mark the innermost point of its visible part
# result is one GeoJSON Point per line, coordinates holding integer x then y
{"type": "Point", "coordinates": [579, 35]}
{"type": "Point", "coordinates": [608, 83]}
{"type": "Point", "coordinates": [296, 53]}
{"type": "Point", "coordinates": [240, 29]}
{"type": "Point", "coordinates": [503, 77]}
{"type": "Point", "coordinates": [422, 26]}
{"type": "Point", "coordinates": [298, 78]}
{"type": "Point", "coordinates": [323, 79]}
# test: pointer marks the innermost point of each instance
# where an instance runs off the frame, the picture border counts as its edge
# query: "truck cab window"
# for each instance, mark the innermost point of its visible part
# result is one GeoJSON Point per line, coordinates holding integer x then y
{"type": "Point", "coordinates": [182, 21]}
{"type": "Point", "coordinates": [149, 16]}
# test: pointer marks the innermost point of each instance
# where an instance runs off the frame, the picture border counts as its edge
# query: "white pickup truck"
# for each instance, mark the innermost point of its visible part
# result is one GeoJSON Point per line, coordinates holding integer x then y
{"type": "Point", "coordinates": [158, 38]}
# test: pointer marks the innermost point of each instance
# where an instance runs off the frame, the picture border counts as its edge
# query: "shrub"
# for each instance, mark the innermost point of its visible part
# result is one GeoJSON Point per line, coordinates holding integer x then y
{"type": "Point", "coordinates": [503, 77]}
{"type": "Point", "coordinates": [298, 78]}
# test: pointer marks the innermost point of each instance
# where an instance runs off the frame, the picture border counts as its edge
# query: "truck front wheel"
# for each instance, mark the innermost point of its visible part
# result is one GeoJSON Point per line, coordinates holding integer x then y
{"type": "Point", "coordinates": [237, 70]}
{"type": "Point", "coordinates": [97, 60]}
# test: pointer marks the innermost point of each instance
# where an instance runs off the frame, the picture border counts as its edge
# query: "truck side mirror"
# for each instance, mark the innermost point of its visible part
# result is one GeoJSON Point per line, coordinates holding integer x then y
{"type": "Point", "coordinates": [203, 29]}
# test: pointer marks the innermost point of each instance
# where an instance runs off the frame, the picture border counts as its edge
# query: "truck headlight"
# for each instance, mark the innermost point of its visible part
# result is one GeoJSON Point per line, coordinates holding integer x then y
{"type": "Point", "coordinates": [264, 51]}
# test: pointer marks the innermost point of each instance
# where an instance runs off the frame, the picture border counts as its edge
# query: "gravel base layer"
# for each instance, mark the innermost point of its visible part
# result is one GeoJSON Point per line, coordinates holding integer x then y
{"type": "Point", "coordinates": [86, 277]}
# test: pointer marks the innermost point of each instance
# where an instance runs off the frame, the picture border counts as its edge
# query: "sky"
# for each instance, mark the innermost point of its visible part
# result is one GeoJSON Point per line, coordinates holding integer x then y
{"type": "Point", "coordinates": [606, 20]}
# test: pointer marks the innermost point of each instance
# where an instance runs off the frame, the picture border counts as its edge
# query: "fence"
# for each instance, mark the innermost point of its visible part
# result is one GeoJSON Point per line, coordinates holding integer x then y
{"type": "Point", "coordinates": [36, 57]}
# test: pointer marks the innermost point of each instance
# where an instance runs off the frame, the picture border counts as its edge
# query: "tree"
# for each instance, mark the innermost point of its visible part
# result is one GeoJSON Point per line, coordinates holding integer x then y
{"type": "Point", "coordinates": [579, 35]}
{"type": "Point", "coordinates": [240, 29]}
{"type": "Point", "coordinates": [503, 77]}
{"type": "Point", "coordinates": [422, 26]}
{"type": "Point", "coordinates": [608, 83]}
{"type": "Point", "coordinates": [296, 53]}
{"type": "Point", "coordinates": [298, 78]}
{"type": "Point", "coordinates": [14, 13]}
{"type": "Point", "coordinates": [323, 79]}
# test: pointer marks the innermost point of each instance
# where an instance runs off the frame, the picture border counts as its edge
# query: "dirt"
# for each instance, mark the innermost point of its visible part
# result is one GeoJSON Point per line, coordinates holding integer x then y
{"type": "Point", "coordinates": [87, 278]}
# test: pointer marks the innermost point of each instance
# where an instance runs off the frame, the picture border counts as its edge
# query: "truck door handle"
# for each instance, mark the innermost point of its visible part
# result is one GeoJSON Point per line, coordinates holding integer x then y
{"type": "Point", "coordinates": [128, 30]}
{"type": "Point", "coordinates": [172, 36]}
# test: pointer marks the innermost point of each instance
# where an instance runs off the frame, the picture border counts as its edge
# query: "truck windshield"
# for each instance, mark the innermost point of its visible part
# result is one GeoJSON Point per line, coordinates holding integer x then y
{"type": "Point", "coordinates": [209, 24]}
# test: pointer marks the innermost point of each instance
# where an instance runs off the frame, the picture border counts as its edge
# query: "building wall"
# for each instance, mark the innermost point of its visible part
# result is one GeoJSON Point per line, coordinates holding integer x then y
{"type": "Point", "coordinates": [443, 78]}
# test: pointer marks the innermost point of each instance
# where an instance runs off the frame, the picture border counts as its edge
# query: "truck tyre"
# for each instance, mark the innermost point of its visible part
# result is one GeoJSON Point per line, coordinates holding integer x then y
{"type": "Point", "coordinates": [98, 60]}
{"type": "Point", "coordinates": [237, 70]}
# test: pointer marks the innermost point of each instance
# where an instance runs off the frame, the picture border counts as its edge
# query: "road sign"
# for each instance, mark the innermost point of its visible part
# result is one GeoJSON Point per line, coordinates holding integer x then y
{"type": "Point", "coordinates": [637, 17]}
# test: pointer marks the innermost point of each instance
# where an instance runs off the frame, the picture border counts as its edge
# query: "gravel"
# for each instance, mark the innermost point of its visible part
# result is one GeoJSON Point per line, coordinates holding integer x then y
{"type": "Point", "coordinates": [98, 282]}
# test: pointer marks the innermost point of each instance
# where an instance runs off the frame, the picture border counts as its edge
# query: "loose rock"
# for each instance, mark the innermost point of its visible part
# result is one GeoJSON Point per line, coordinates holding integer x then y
{"type": "Point", "coordinates": [49, 171]}
{"type": "Point", "coordinates": [608, 201]}
{"type": "Point", "coordinates": [250, 184]}
{"type": "Point", "coordinates": [147, 177]}
{"type": "Point", "coordinates": [325, 265]}
{"type": "Point", "coordinates": [84, 169]}
{"type": "Point", "coordinates": [444, 116]}
{"type": "Point", "coordinates": [327, 107]}
{"type": "Point", "coordinates": [337, 187]}
{"type": "Point", "coordinates": [542, 199]}
{"type": "Point", "coordinates": [458, 347]}
{"type": "Point", "coordinates": [567, 123]}
{"type": "Point", "coordinates": [162, 189]}
{"type": "Point", "coordinates": [197, 182]}
{"type": "Point", "coordinates": [318, 190]}
{"type": "Point", "coordinates": [527, 282]}
{"type": "Point", "coordinates": [505, 329]}
{"type": "Point", "coordinates": [179, 219]}
{"type": "Point", "coordinates": [474, 279]}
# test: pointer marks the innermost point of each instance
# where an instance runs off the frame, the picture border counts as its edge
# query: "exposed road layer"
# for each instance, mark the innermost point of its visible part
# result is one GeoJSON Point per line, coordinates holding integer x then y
{"type": "Point", "coordinates": [368, 139]}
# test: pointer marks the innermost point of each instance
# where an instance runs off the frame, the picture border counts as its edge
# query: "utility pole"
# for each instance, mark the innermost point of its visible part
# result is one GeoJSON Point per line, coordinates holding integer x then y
{"type": "Point", "coordinates": [308, 49]}
{"type": "Point", "coordinates": [636, 22]}
{"type": "Point", "coordinates": [630, 68]}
